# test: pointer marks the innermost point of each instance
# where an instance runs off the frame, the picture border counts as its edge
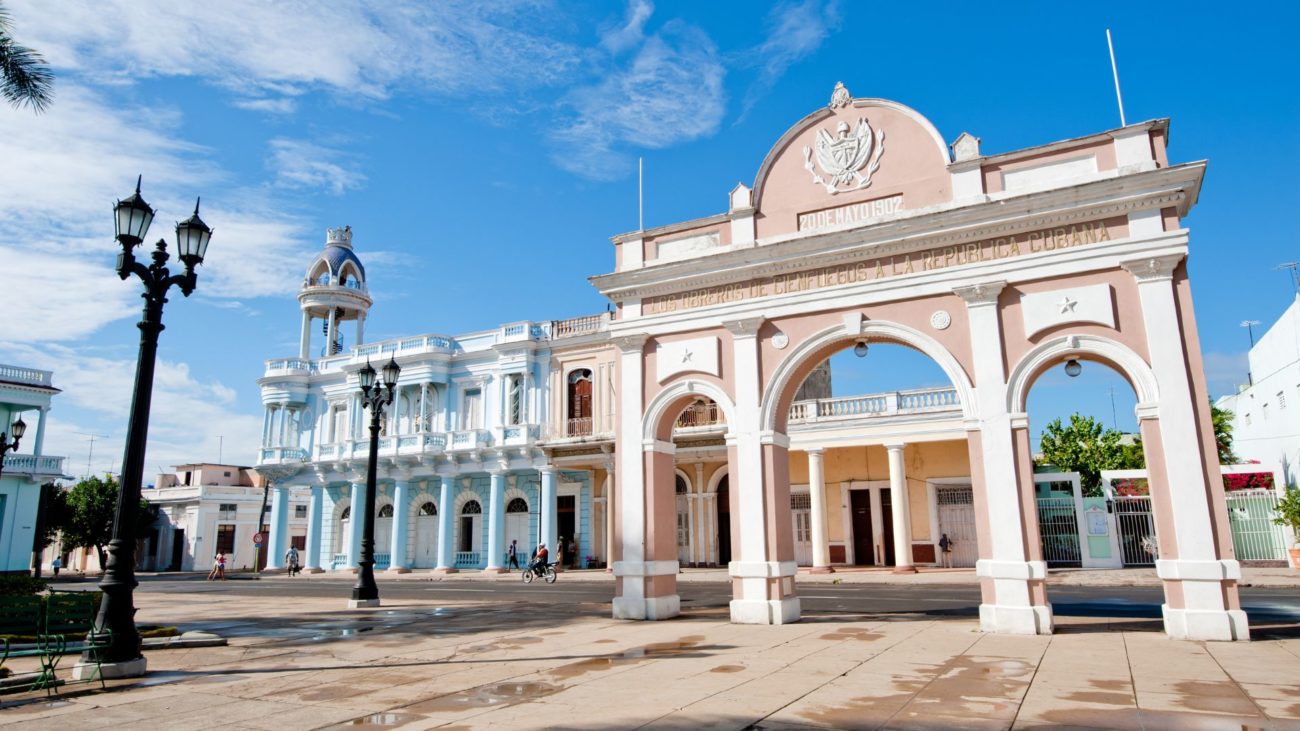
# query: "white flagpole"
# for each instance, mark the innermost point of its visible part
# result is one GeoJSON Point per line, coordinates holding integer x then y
{"type": "Point", "coordinates": [640, 193]}
{"type": "Point", "coordinates": [1114, 70]}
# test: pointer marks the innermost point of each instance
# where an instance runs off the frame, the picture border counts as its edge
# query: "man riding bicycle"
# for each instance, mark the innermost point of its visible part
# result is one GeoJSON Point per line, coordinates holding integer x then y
{"type": "Point", "coordinates": [539, 562]}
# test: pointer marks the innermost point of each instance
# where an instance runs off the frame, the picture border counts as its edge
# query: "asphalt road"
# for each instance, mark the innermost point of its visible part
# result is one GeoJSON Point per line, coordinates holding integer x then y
{"type": "Point", "coordinates": [1278, 609]}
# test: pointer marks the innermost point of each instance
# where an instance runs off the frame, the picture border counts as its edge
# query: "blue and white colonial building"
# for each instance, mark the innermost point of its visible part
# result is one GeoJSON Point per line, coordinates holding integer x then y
{"type": "Point", "coordinates": [25, 393]}
{"type": "Point", "coordinates": [462, 472]}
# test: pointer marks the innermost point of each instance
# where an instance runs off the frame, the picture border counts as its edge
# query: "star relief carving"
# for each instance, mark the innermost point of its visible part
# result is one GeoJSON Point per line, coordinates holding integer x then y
{"type": "Point", "coordinates": [1067, 305]}
{"type": "Point", "coordinates": [686, 356]}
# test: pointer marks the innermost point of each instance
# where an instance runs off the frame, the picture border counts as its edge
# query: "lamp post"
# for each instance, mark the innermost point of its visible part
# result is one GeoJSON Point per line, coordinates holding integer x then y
{"type": "Point", "coordinates": [375, 397]}
{"type": "Point", "coordinates": [117, 610]}
{"type": "Point", "coordinates": [17, 430]}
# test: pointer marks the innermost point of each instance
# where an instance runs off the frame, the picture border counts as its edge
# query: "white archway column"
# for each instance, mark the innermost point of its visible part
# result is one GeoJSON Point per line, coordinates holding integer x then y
{"type": "Point", "coordinates": [355, 517]}
{"type": "Point", "coordinates": [821, 550]}
{"type": "Point", "coordinates": [446, 559]}
{"type": "Point", "coordinates": [763, 575]}
{"type": "Point", "coordinates": [611, 517]}
{"type": "Point", "coordinates": [901, 510]}
{"type": "Point", "coordinates": [550, 530]}
{"type": "Point", "coordinates": [304, 351]}
{"type": "Point", "coordinates": [1013, 589]}
{"type": "Point", "coordinates": [496, 524]}
{"type": "Point", "coordinates": [1200, 586]}
{"type": "Point", "coordinates": [315, 509]}
{"type": "Point", "coordinates": [398, 562]}
{"type": "Point", "coordinates": [278, 543]}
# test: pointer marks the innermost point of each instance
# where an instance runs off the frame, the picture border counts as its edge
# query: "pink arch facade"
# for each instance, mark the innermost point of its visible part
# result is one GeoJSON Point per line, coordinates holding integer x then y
{"type": "Point", "coordinates": [861, 225]}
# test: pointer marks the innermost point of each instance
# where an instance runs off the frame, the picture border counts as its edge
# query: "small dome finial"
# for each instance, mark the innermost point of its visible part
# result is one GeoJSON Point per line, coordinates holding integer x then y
{"type": "Point", "coordinates": [339, 236]}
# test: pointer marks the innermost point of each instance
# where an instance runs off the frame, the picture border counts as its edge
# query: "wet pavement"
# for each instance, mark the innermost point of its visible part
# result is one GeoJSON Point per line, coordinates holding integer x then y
{"type": "Point", "coordinates": [306, 662]}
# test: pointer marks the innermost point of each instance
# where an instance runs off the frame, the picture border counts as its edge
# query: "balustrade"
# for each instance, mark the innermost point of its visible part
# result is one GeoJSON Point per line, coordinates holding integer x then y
{"type": "Point", "coordinates": [32, 464]}
{"type": "Point", "coordinates": [924, 400]}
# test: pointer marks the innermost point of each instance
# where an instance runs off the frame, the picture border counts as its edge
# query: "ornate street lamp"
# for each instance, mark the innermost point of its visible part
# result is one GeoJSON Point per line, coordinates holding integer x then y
{"type": "Point", "coordinates": [17, 430]}
{"type": "Point", "coordinates": [117, 610]}
{"type": "Point", "coordinates": [374, 396]}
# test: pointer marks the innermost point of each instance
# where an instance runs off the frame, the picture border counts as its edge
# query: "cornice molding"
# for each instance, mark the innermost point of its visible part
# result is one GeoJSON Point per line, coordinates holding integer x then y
{"type": "Point", "coordinates": [1152, 269]}
{"type": "Point", "coordinates": [980, 293]}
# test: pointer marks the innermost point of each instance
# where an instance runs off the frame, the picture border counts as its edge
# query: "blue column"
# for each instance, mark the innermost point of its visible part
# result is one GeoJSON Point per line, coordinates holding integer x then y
{"type": "Point", "coordinates": [446, 558]}
{"type": "Point", "coordinates": [314, 509]}
{"type": "Point", "coordinates": [279, 539]}
{"type": "Point", "coordinates": [401, 516]}
{"type": "Point", "coordinates": [495, 547]}
{"type": "Point", "coordinates": [550, 530]}
{"type": "Point", "coordinates": [354, 524]}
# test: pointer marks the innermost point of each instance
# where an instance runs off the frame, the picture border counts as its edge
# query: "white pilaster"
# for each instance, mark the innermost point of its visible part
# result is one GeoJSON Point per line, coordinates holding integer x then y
{"type": "Point", "coordinates": [315, 509]}
{"type": "Point", "coordinates": [278, 543]}
{"type": "Point", "coordinates": [355, 519]}
{"type": "Point", "coordinates": [304, 351]}
{"type": "Point", "coordinates": [398, 562]}
{"type": "Point", "coordinates": [631, 604]}
{"type": "Point", "coordinates": [550, 530]}
{"type": "Point", "coordinates": [496, 523]}
{"type": "Point", "coordinates": [901, 510]}
{"type": "Point", "coordinates": [446, 559]}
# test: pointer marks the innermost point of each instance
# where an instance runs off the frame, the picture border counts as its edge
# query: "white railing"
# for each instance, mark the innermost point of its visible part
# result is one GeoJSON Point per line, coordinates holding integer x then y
{"type": "Point", "coordinates": [578, 325]}
{"type": "Point", "coordinates": [338, 561]}
{"type": "Point", "coordinates": [916, 401]}
{"type": "Point", "coordinates": [19, 374]}
{"type": "Point", "coordinates": [32, 465]}
{"type": "Point", "coordinates": [468, 439]}
{"type": "Point", "coordinates": [285, 366]}
{"type": "Point", "coordinates": [467, 559]}
{"type": "Point", "coordinates": [383, 561]}
{"type": "Point", "coordinates": [283, 454]}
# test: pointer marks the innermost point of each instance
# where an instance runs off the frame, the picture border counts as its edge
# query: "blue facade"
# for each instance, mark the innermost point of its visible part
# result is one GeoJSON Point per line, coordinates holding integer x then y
{"type": "Point", "coordinates": [25, 393]}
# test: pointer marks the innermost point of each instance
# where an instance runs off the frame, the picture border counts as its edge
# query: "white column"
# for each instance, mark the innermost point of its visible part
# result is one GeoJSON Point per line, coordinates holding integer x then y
{"type": "Point", "coordinates": [39, 447]}
{"type": "Point", "coordinates": [1007, 569]}
{"type": "Point", "coordinates": [446, 558]}
{"type": "Point", "coordinates": [901, 511]}
{"type": "Point", "coordinates": [314, 510]}
{"type": "Point", "coordinates": [279, 538]}
{"type": "Point", "coordinates": [397, 562]}
{"type": "Point", "coordinates": [817, 492]}
{"type": "Point", "coordinates": [355, 519]}
{"type": "Point", "coordinates": [610, 516]}
{"type": "Point", "coordinates": [550, 529]}
{"type": "Point", "coordinates": [361, 328]}
{"type": "Point", "coordinates": [698, 521]}
{"type": "Point", "coordinates": [332, 333]}
{"type": "Point", "coordinates": [305, 350]}
{"type": "Point", "coordinates": [496, 518]}
{"type": "Point", "coordinates": [1198, 568]}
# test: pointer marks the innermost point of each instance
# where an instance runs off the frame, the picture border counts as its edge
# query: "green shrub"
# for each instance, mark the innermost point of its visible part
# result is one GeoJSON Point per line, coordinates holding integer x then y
{"type": "Point", "coordinates": [21, 585]}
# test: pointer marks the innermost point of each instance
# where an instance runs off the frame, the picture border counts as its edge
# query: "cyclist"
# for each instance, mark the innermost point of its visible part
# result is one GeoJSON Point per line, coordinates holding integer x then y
{"type": "Point", "coordinates": [538, 564]}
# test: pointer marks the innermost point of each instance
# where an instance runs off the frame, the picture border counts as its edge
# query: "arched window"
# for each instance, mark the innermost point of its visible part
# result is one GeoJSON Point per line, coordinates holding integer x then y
{"type": "Point", "coordinates": [518, 505]}
{"type": "Point", "coordinates": [428, 509]}
{"type": "Point", "coordinates": [682, 487]}
{"type": "Point", "coordinates": [347, 513]}
{"type": "Point", "coordinates": [472, 508]}
{"type": "Point", "coordinates": [386, 511]}
{"type": "Point", "coordinates": [580, 402]}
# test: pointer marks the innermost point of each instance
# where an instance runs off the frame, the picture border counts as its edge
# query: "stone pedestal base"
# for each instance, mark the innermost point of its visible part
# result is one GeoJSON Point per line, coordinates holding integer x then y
{"type": "Point", "coordinates": [821, 570]}
{"type": "Point", "coordinates": [649, 608]}
{"type": "Point", "coordinates": [316, 570]}
{"type": "Point", "coordinates": [446, 570]}
{"type": "Point", "coordinates": [495, 570]}
{"type": "Point", "coordinates": [129, 669]}
{"type": "Point", "coordinates": [397, 570]}
{"type": "Point", "coordinates": [360, 603]}
{"type": "Point", "coordinates": [1016, 620]}
{"type": "Point", "coordinates": [765, 611]}
{"type": "Point", "coordinates": [904, 570]}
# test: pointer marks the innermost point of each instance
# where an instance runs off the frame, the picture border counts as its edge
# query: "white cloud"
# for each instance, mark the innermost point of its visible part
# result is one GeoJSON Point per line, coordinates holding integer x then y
{"type": "Point", "coordinates": [629, 34]}
{"type": "Point", "coordinates": [795, 30]}
{"type": "Point", "coordinates": [671, 92]}
{"type": "Point", "coordinates": [284, 48]}
{"type": "Point", "coordinates": [282, 105]}
{"type": "Point", "coordinates": [189, 419]}
{"type": "Point", "coordinates": [302, 164]}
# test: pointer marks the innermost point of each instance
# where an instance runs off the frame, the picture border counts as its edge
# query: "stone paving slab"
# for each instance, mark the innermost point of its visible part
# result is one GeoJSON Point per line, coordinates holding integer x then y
{"type": "Point", "coordinates": [475, 665]}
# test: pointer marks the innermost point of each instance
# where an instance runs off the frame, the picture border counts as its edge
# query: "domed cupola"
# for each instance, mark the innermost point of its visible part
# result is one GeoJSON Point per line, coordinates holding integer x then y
{"type": "Point", "coordinates": [334, 291]}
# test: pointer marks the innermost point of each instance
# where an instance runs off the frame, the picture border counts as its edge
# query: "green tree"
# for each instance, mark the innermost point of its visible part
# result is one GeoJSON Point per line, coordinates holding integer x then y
{"type": "Point", "coordinates": [88, 519]}
{"type": "Point", "coordinates": [1222, 420]}
{"type": "Point", "coordinates": [25, 78]}
{"type": "Point", "coordinates": [1086, 447]}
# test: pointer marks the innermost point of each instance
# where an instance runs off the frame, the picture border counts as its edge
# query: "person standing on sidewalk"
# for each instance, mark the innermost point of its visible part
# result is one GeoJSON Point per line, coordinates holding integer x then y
{"type": "Point", "coordinates": [291, 560]}
{"type": "Point", "coordinates": [513, 554]}
{"type": "Point", "coordinates": [945, 550]}
{"type": "Point", "coordinates": [56, 565]}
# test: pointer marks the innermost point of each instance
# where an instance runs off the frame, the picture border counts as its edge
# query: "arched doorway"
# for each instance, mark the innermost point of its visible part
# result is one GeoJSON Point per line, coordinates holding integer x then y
{"type": "Point", "coordinates": [426, 535]}
{"type": "Point", "coordinates": [469, 539]}
{"type": "Point", "coordinates": [517, 519]}
{"type": "Point", "coordinates": [579, 423]}
{"type": "Point", "coordinates": [723, 523]}
{"type": "Point", "coordinates": [384, 532]}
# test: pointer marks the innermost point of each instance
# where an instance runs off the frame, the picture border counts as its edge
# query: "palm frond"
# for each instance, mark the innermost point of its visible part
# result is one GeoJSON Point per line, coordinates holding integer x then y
{"type": "Point", "coordinates": [25, 78]}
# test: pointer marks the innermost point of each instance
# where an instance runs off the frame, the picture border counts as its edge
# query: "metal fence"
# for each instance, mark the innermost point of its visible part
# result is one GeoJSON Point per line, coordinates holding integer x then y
{"type": "Point", "coordinates": [1255, 537]}
{"type": "Point", "coordinates": [1136, 529]}
{"type": "Point", "coordinates": [1058, 527]}
{"type": "Point", "coordinates": [957, 521]}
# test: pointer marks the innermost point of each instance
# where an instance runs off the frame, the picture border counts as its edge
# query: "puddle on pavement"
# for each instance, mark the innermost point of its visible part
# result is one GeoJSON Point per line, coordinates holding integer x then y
{"type": "Point", "coordinates": [605, 642]}
{"type": "Point", "coordinates": [727, 669]}
{"type": "Point", "coordinates": [858, 712]}
{"type": "Point", "coordinates": [385, 719]}
{"type": "Point", "coordinates": [486, 696]}
{"type": "Point", "coordinates": [33, 707]}
{"type": "Point", "coordinates": [627, 657]}
{"type": "Point", "coordinates": [1117, 685]}
{"type": "Point", "coordinates": [860, 635]}
{"type": "Point", "coordinates": [1102, 698]}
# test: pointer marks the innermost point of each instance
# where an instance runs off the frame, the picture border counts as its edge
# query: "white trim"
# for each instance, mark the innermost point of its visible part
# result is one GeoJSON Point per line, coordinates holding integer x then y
{"type": "Point", "coordinates": [1061, 348]}
{"type": "Point", "coordinates": [655, 410]}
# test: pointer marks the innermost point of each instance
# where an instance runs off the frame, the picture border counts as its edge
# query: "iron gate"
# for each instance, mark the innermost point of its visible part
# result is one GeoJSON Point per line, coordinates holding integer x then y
{"type": "Point", "coordinates": [1136, 528]}
{"type": "Point", "coordinates": [1058, 528]}
{"type": "Point", "coordinates": [957, 520]}
{"type": "Point", "coordinates": [801, 518]}
{"type": "Point", "coordinates": [1255, 536]}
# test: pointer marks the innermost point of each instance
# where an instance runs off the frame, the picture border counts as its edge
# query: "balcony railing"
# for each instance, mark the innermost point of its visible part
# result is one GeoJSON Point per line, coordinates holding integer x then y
{"type": "Point", "coordinates": [30, 464]}
{"type": "Point", "coordinates": [894, 403]}
{"type": "Point", "coordinates": [467, 559]}
{"type": "Point", "coordinates": [580, 427]}
{"type": "Point", "coordinates": [31, 376]}
{"type": "Point", "coordinates": [699, 415]}
{"type": "Point", "coordinates": [578, 325]}
{"type": "Point", "coordinates": [274, 455]}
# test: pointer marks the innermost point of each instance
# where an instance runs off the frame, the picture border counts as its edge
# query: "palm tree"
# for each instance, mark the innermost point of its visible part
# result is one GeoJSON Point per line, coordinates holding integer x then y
{"type": "Point", "coordinates": [25, 79]}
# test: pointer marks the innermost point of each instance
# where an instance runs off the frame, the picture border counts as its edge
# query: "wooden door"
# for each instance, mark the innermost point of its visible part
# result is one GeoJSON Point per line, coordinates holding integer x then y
{"type": "Point", "coordinates": [864, 552]}
{"type": "Point", "coordinates": [887, 523]}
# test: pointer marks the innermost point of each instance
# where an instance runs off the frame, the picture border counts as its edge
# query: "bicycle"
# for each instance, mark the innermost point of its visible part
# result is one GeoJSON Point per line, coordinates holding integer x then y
{"type": "Point", "coordinates": [547, 573]}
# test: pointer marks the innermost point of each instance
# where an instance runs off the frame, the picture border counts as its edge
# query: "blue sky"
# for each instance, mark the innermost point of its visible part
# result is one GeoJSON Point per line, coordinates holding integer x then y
{"type": "Point", "coordinates": [484, 153]}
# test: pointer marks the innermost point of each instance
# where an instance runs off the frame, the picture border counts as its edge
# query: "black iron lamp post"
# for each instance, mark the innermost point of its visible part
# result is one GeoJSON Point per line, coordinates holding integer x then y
{"type": "Point", "coordinates": [375, 397]}
{"type": "Point", "coordinates": [117, 611]}
{"type": "Point", "coordinates": [17, 430]}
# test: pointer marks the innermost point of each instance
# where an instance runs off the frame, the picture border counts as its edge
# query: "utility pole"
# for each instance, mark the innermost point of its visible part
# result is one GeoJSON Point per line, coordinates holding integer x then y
{"type": "Point", "coordinates": [91, 454]}
{"type": "Point", "coordinates": [1294, 266]}
{"type": "Point", "coordinates": [1250, 328]}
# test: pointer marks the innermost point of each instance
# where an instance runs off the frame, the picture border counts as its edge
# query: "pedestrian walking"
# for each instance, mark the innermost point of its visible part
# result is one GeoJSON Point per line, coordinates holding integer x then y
{"type": "Point", "coordinates": [559, 554]}
{"type": "Point", "coordinates": [218, 567]}
{"type": "Point", "coordinates": [57, 564]}
{"type": "Point", "coordinates": [291, 561]}
{"type": "Point", "coordinates": [513, 553]}
{"type": "Point", "coordinates": [945, 550]}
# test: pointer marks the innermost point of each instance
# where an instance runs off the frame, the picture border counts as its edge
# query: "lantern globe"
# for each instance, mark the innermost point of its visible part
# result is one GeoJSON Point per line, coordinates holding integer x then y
{"type": "Point", "coordinates": [19, 429]}
{"type": "Point", "coordinates": [192, 237]}
{"type": "Point", "coordinates": [366, 376]}
{"type": "Point", "coordinates": [132, 216]}
{"type": "Point", "coordinates": [391, 372]}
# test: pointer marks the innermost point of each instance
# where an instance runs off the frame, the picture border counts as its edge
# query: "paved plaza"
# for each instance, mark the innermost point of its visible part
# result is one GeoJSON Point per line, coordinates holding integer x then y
{"type": "Point", "coordinates": [306, 662]}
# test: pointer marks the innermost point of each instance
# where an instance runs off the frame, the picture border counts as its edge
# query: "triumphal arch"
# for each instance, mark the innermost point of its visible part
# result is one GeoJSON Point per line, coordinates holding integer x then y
{"type": "Point", "coordinates": [864, 226]}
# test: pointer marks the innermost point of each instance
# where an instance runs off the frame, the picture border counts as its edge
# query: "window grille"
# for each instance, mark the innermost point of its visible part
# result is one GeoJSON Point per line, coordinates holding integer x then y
{"type": "Point", "coordinates": [800, 501]}
{"type": "Point", "coordinates": [300, 511]}
{"type": "Point", "coordinates": [428, 509]}
{"type": "Point", "coordinates": [386, 511]}
{"type": "Point", "coordinates": [472, 508]}
{"type": "Point", "coordinates": [517, 505]}
{"type": "Point", "coordinates": [226, 511]}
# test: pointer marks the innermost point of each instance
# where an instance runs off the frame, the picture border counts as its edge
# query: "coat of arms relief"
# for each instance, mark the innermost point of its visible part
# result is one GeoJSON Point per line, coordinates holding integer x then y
{"type": "Point", "coordinates": [848, 158]}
